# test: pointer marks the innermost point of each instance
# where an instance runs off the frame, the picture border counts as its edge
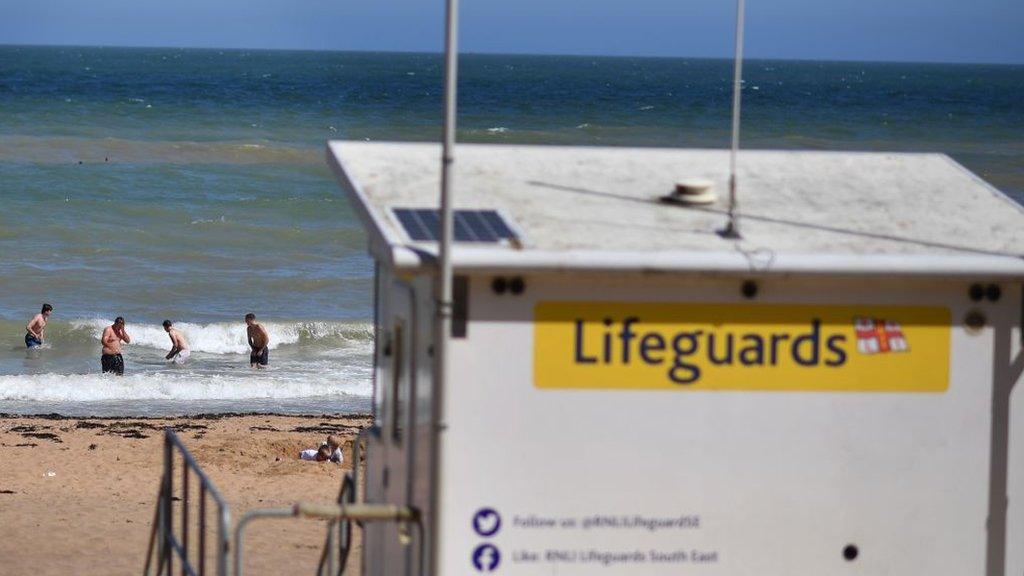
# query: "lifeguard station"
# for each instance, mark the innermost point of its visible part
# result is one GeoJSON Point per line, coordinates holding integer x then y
{"type": "Point", "coordinates": [631, 391]}
{"type": "Point", "coordinates": [586, 364]}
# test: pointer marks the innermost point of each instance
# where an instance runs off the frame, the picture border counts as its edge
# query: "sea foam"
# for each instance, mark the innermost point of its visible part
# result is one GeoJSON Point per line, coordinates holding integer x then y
{"type": "Point", "coordinates": [60, 388]}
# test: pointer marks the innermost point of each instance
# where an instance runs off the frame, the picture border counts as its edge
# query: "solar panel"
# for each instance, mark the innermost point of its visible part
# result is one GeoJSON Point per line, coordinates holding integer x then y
{"type": "Point", "coordinates": [485, 226]}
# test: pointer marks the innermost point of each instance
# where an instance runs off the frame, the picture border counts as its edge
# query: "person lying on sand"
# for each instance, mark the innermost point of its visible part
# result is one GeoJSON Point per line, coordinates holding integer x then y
{"type": "Point", "coordinates": [36, 326]}
{"type": "Point", "coordinates": [259, 342]}
{"type": "Point", "coordinates": [179, 345]}
{"type": "Point", "coordinates": [329, 450]}
{"type": "Point", "coordinates": [113, 335]}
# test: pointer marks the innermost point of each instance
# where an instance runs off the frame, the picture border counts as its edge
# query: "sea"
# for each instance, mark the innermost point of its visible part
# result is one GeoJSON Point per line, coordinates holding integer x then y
{"type": "Point", "coordinates": [191, 185]}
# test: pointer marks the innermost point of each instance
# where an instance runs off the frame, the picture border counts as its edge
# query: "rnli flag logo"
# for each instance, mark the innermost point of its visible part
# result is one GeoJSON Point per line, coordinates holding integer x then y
{"type": "Point", "coordinates": [879, 336]}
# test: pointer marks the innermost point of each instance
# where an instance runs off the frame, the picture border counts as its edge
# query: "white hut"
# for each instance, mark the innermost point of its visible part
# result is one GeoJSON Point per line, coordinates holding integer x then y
{"type": "Point", "coordinates": [630, 392]}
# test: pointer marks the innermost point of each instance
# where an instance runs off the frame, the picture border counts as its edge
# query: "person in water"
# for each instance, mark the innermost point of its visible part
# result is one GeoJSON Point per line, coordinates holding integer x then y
{"type": "Point", "coordinates": [113, 335]}
{"type": "Point", "coordinates": [179, 345]}
{"type": "Point", "coordinates": [36, 326]}
{"type": "Point", "coordinates": [259, 342]}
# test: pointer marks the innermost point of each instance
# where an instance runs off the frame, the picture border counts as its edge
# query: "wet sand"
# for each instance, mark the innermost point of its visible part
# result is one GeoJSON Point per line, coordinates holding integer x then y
{"type": "Point", "coordinates": [78, 495]}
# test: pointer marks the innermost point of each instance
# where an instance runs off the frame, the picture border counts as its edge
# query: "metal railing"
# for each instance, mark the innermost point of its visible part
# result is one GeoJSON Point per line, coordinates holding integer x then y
{"type": "Point", "coordinates": [164, 543]}
{"type": "Point", "coordinates": [338, 541]}
{"type": "Point", "coordinates": [404, 516]}
{"type": "Point", "coordinates": [340, 515]}
{"type": "Point", "coordinates": [167, 547]}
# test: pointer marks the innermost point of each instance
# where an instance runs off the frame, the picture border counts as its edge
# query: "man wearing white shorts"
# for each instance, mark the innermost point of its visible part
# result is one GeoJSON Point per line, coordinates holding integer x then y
{"type": "Point", "coordinates": [179, 345]}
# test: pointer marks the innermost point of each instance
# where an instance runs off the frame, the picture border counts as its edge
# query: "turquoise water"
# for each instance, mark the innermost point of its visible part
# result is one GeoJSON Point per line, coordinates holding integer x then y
{"type": "Point", "coordinates": [190, 184]}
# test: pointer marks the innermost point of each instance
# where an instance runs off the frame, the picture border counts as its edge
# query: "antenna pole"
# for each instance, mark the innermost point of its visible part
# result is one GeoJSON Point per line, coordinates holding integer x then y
{"type": "Point", "coordinates": [732, 229]}
{"type": "Point", "coordinates": [443, 284]}
{"type": "Point", "coordinates": [451, 85]}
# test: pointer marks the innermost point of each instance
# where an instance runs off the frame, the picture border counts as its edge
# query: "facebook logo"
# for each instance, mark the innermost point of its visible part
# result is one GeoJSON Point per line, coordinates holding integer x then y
{"type": "Point", "coordinates": [486, 558]}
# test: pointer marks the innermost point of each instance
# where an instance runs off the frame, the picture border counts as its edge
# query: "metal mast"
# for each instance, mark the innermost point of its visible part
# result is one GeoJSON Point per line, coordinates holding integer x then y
{"type": "Point", "coordinates": [732, 229]}
{"type": "Point", "coordinates": [444, 270]}
{"type": "Point", "coordinates": [444, 276]}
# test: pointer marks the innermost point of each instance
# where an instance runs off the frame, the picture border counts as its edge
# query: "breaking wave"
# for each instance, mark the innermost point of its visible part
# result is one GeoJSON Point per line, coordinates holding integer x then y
{"type": "Point", "coordinates": [328, 364]}
{"type": "Point", "coordinates": [213, 338]}
{"type": "Point", "coordinates": [224, 338]}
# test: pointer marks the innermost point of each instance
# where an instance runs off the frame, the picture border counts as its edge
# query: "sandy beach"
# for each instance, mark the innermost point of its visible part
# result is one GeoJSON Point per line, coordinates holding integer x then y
{"type": "Point", "coordinates": [77, 495]}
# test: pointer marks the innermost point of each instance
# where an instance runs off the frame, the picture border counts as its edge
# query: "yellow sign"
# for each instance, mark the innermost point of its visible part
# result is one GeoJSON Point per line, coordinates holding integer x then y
{"type": "Point", "coordinates": [624, 345]}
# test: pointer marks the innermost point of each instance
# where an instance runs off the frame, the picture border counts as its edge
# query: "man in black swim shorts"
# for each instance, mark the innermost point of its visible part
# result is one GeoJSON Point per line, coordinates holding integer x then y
{"type": "Point", "coordinates": [113, 335]}
{"type": "Point", "coordinates": [35, 328]}
{"type": "Point", "coordinates": [259, 342]}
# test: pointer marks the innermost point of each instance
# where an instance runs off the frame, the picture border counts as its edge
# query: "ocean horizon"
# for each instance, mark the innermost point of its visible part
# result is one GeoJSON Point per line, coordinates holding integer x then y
{"type": "Point", "coordinates": [190, 184]}
{"type": "Point", "coordinates": [463, 52]}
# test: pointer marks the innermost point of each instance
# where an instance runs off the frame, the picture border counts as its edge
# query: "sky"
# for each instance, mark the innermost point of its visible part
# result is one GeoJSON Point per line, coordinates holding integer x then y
{"type": "Point", "coordinates": [885, 30]}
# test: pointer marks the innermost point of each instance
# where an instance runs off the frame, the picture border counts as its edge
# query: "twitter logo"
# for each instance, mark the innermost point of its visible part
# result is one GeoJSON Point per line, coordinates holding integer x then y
{"type": "Point", "coordinates": [486, 522]}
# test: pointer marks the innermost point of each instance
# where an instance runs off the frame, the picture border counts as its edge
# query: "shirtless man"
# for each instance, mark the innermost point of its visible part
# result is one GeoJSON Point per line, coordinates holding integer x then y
{"type": "Point", "coordinates": [179, 345]}
{"type": "Point", "coordinates": [259, 341]}
{"type": "Point", "coordinates": [113, 335]}
{"type": "Point", "coordinates": [35, 328]}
